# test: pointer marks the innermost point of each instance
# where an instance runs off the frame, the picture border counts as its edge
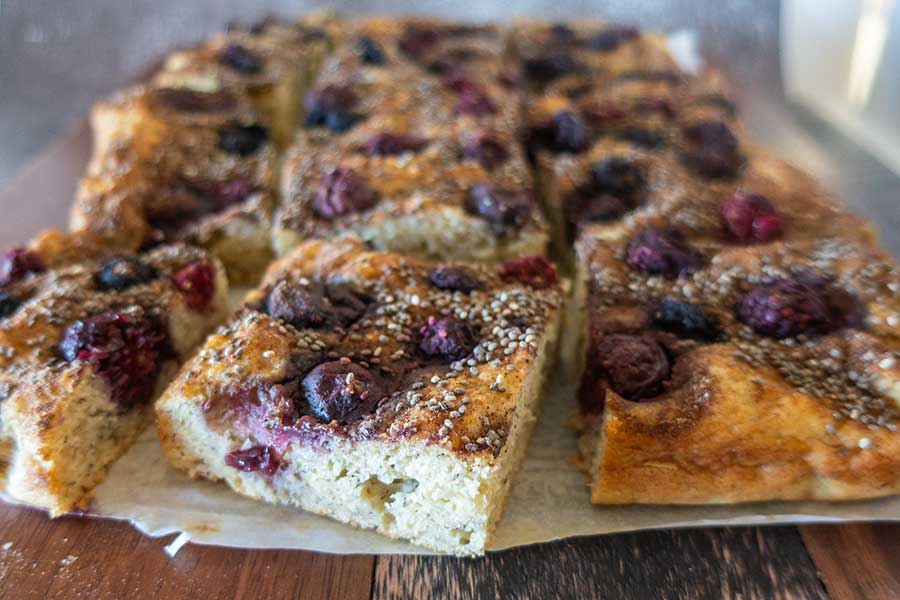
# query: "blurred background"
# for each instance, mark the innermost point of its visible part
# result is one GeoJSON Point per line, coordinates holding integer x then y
{"type": "Point", "coordinates": [819, 79]}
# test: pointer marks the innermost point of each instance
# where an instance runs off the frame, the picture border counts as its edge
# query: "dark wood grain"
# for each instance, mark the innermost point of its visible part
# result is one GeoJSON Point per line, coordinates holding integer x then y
{"type": "Point", "coordinates": [88, 558]}
{"type": "Point", "coordinates": [712, 563]}
{"type": "Point", "coordinates": [859, 561]}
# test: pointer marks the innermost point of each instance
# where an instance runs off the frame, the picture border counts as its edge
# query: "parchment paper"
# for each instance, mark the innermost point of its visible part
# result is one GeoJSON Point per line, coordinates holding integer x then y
{"type": "Point", "coordinates": [548, 499]}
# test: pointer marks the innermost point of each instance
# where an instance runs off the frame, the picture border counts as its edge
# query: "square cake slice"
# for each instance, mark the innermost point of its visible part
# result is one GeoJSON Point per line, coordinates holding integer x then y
{"type": "Point", "coordinates": [719, 370]}
{"type": "Point", "coordinates": [271, 62]}
{"type": "Point", "coordinates": [378, 389]}
{"type": "Point", "coordinates": [176, 164]}
{"type": "Point", "coordinates": [84, 350]}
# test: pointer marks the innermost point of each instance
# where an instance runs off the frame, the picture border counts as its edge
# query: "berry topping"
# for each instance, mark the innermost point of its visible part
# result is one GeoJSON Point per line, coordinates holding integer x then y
{"type": "Point", "coordinates": [503, 208]}
{"type": "Point", "coordinates": [341, 391]}
{"type": "Point", "coordinates": [8, 305]}
{"type": "Point", "coordinates": [650, 106]}
{"type": "Point", "coordinates": [447, 338]}
{"type": "Point", "coordinates": [751, 218]}
{"type": "Point", "coordinates": [471, 98]}
{"type": "Point", "coordinates": [565, 132]}
{"type": "Point", "coordinates": [17, 263]}
{"type": "Point", "coordinates": [535, 271]}
{"type": "Point", "coordinates": [123, 272]}
{"type": "Point", "coordinates": [804, 305]}
{"type": "Point", "coordinates": [711, 149]}
{"type": "Point", "coordinates": [589, 205]}
{"type": "Point", "coordinates": [315, 305]}
{"type": "Point", "coordinates": [197, 282]}
{"type": "Point", "coordinates": [255, 458]}
{"type": "Point", "coordinates": [635, 367]}
{"type": "Point", "coordinates": [126, 350]}
{"type": "Point", "coordinates": [192, 101]}
{"type": "Point", "coordinates": [416, 41]}
{"type": "Point", "coordinates": [618, 176]}
{"type": "Point", "coordinates": [342, 192]}
{"type": "Point", "coordinates": [661, 253]}
{"type": "Point", "coordinates": [370, 51]}
{"type": "Point", "coordinates": [240, 59]}
{"type": "Point", "coordinates": [486, 149]}
{"type": "Point", "coordinates": [385, 143]}
{"type": "Point", "coordinates": [610, 39]}
{"type": "Point", "coordinates": [642, 138]}
{"type": "Point", "coordinates": [561, 33]}
{"type": "Point", "coordinates": [456, 279]}
{"type": "Point", "coordinates": [331, 107]}
{"type": "Point", "coordinates": [684, 320]}
{"type": "Point", "coordinates": [242, 139]}
{"type": "Point", "coordinates": [546, 67]}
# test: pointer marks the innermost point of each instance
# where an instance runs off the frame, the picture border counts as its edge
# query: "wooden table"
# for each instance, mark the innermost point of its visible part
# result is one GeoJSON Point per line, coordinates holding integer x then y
{"type": "Point", "coordinates": [88, 558]}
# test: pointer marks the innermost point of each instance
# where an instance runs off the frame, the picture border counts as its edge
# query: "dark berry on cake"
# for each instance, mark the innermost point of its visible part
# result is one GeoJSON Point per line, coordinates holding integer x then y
{"type": "Point", "coordinates": [123, 272]}
{"type": "Point", "coordinates": [446, 338]}
{"type": "Point", "coordinates": [661, 252]}
{"type": "Point", "coordinates": [125, 349]}
{"type": "Point", "coordinates": [242, 140]}
{"type": "Point", "coordinates": [457, 279]}
{"type": "Point", "coordinates": [341, 391]}
{"type": "Point", "coordinates": [342, 192]}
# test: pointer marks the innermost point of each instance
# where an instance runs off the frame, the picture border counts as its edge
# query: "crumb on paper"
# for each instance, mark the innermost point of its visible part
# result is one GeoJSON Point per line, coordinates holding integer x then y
{"type": "Point", "coordinates": [68, 560]}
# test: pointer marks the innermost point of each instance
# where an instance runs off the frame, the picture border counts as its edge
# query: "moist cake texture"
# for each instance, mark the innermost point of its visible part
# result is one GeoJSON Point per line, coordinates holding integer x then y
{"type": "Point", "coordinates": [382, 390]}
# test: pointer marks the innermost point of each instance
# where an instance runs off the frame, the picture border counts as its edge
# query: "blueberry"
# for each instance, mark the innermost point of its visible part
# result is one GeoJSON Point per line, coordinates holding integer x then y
{"type": "Point", "coordinates": [123, 272]}
{"type": "Point", "coordinates": [502, 208]}
{"type": "Point", "coordinates": [243, 140]}
{"type": "Point", "coordinates": [370, 51]}
{"type": "Point", "coordinates": [684, 320]}
{"type": "Point", "coordinates": [240, 59]}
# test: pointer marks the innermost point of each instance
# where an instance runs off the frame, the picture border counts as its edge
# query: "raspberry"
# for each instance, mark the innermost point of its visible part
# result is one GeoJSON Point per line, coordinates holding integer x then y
{"type": "Point", "coordinates": [456, 279]}
{"type": "Point", "coordinates": [17, 263]}
{"type": "Point", "coordinates": [684, 320]}
{"type": "Point", "coordinates": [342, 192]}
{"type": "Point", "coordinates": [486, 149]}
{"type": "Point", "coordinates": [504, 209]}
{"type": "Point", "coordinates": [242, 140]}
{"type": "Point", "coordinates": [341, 391]}
{"type": "Point", "coordinates": [751, 218]}
{"type": "Point", "coordinates": [255, 458]}
{"type": "Point", "coordinates": [635, 367]}
{"type": "Point", "coordinates": [240, 59]}
{"type": "Point", "coordinates": [661, 253]}
{"type": "Point", "coordinates": [447, 338]}
{"type": "Point", "coordinates": [785, 308]}
{"type": "Point", "coordinates": [535, 271]}
{"type": "Point", "coordinates": [197, 283]}
{"type": "Point", "coordinates": [712, 150]}
{"type": "Point", "coordinates": [331, 107]}
{"type": "Point", "coordinates": [125, 350]}
{"type": "Point", "coordinates": [316, 305]}
{"type": "Point", "coordinates": [385, 143]}
{"type": "Point", "coordinates": [123, 272]}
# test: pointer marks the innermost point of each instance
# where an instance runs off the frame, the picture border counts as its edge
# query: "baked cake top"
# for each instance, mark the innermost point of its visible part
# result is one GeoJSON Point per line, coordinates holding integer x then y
{"type": "Point", "coordinates": [341, 341]}
{"type": "Point", "coordinates": [120, 316]}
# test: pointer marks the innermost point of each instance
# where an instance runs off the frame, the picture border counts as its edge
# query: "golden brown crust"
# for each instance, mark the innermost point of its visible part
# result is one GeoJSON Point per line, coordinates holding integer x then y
{"type": "Point", "coordinates": [465, 405]}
